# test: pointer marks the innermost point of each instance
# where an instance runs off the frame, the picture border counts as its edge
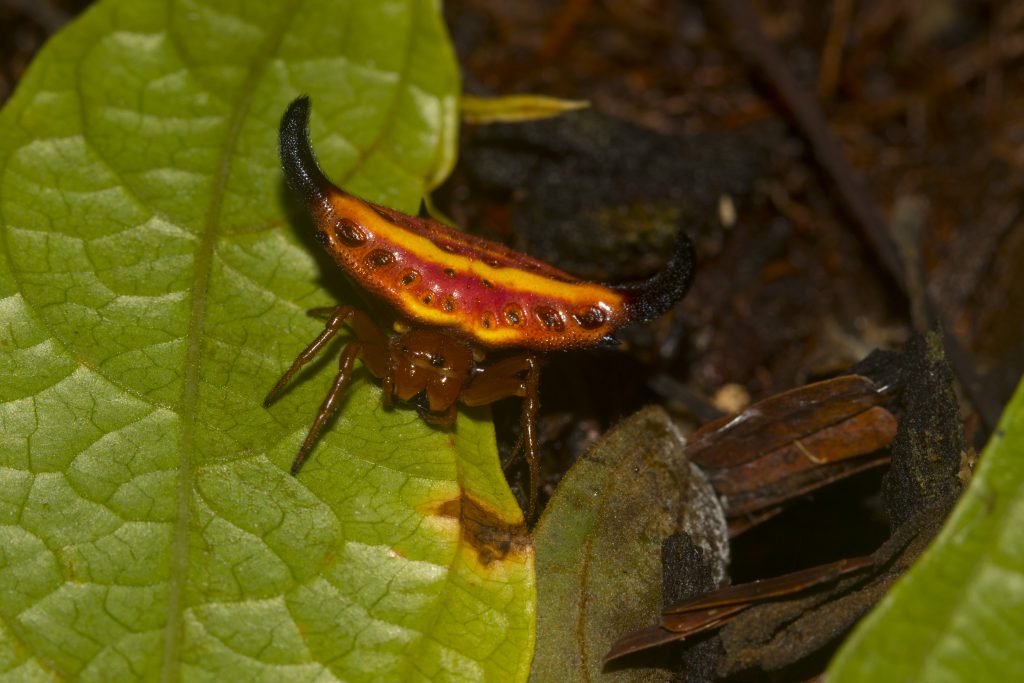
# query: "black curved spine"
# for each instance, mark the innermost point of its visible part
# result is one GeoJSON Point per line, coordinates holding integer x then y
{"type": "Point", "coordinates": [301, 169]}
{"type": "Point", "coordinates": [656, 295]}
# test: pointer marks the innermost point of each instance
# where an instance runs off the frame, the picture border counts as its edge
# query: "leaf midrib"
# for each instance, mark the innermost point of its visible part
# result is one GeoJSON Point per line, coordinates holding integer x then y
{"type": "Point", "coordinates": [179, 555]}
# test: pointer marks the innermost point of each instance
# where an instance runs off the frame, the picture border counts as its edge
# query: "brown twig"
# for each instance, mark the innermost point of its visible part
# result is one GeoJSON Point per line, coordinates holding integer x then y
{"type": "Point", "coordinates": [832, 52]}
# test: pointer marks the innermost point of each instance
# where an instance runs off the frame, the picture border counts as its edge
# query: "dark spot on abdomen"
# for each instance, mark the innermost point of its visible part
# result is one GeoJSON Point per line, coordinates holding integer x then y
{"type": "Point", "coordinates": [350, 233]}
{"type": "Point", "coordinates": [589, 318]}
{"type": "Point", "coordinates": [379, 258]}
{"type": "Point", "coordinates": [514, 314]}
{"type": "Point", "coordinates": [550, 318]}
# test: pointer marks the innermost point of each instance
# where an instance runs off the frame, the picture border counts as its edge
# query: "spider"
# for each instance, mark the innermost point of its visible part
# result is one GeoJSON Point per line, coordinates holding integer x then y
{"type": "Point", "coordinates": [475, 317]}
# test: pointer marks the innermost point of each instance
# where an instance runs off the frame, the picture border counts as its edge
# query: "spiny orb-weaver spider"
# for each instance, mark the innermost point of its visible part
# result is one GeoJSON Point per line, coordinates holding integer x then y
{"type": "Point", "coordinates": [475, 315]}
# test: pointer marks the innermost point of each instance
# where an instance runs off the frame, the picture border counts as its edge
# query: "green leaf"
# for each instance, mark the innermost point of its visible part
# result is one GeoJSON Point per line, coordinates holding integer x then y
{"type": "Point", "coordinates": [516, 108]}
{"type": "Point", "coordinates": [958, 614]}
{"type": "Point", "coordinates": [154, 278]}
{"type": "Point", "coordinates": [599, 545]}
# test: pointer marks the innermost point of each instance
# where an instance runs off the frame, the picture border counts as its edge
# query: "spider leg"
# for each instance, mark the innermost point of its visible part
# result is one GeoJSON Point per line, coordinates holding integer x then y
{"type": "Point", "coordinates": [514, 376]}
{"type": "Point", "coordinates": [339, 316]}
{"type": "Point", "coordinates": [370, 345]}
{"type": "Point", "coordinates": [514, 455]}
{"type": "Point", "coordinates": [346, 361]}
{"type": "Point", "coordinates": [531, 404]}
